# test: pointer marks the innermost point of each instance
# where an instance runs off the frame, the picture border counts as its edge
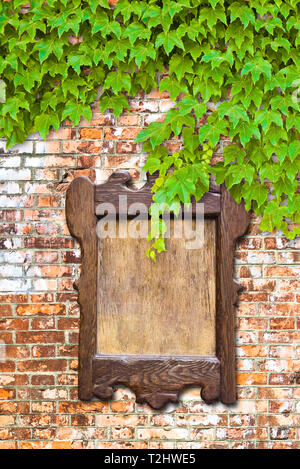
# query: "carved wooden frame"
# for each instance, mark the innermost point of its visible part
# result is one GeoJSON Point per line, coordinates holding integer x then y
{"type": "Point", "coordinates": [154, 379]}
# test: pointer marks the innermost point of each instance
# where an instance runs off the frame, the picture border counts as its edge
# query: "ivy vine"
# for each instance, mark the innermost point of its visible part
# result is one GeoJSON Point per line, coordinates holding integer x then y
{"type": "Point", "coordinates": [232, 65]}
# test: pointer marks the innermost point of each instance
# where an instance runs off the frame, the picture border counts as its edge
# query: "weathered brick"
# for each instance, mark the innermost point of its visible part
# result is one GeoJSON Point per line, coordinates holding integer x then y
{"type": "Point", "coordinates": [40, 316]}
{"type": "Point", "coordinates": [48, 337]}
{"type": "Point", "coordinates": [90, 133]}
{"type": "Point", "coordinates": [42, 365]}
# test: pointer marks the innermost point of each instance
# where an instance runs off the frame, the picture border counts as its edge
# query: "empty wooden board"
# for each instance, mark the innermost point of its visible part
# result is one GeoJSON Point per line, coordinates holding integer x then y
{"type": "Point", "coordinates": [157, 309]}
{"type": "Point", "coordinates": [156, 328]}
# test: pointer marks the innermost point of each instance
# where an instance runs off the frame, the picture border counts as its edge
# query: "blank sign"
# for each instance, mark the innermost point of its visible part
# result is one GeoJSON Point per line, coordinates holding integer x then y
{"type": "Point", "coordinates": [167, 308]}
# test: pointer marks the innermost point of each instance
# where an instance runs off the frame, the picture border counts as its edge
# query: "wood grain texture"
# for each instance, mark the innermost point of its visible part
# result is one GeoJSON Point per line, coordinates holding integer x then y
{"type": "Point", "coordinates": [233, 222]}
{"type": "Point", "coordinates": [167, 308]}
{"type": "Point", "coordinates": [156, 380]}
{"type": "Point", "coordinates": [117, 185]}
{"type": "Point", "coordinates": [81, 220]}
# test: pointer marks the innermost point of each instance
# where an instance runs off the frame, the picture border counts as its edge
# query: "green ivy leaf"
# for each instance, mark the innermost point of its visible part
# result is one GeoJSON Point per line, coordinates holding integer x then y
{"type": "Point", "coordinates": [117, 103]}
{"type": "Point", "coordinates": [117, 81]}
{"type": "Point", "coordinates": [44, 124]}
{"type": "Point", "coordinates": [234, 153]}
{"type": "Point", "coordinates": [51, 45]}
{"type": "Point", "coordinates": [174, 87]}
{"type": "Point", "coordinates": [273, 215]}
{"type": "Point", "coordinates": [169, 40]}
{"type": "Point", "coordinates": [152, 165]}
{"type": "Point", "coordinates": [156, 132]}
{"type": "Point", "coordinates": [257, 67]}
{"type": "Point", "coordinates": [212, 132]}
{"type": "Point", "coordinates": [243, 12]}
{"type": "Point", "coordinates": [257, 192]}
{"type": "Point", "coordinates": [245, 131]}
{"type": "Point", "coordinates": [136, 31]}
{"type": "Point", "coordinates": [212, 16]}
{"type": "Point", "coordinates": [267, 118]}
{"type": "Point", "coordinates": [236, 113]}
{"type": "Point", "coordinates": [189, 103]}
{"type": "Point", "coordinates": [180, 185]}
{"type": "Point", "coordinates": [141, 52]}
{"type": "Point", "coordinates": [75, 110]}
{"type": "Point", "coordinates": [180, 66]}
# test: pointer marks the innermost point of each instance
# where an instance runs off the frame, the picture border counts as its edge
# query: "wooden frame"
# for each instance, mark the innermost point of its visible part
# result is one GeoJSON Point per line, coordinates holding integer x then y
{"type": "Point", "coordinates": [154, 379]}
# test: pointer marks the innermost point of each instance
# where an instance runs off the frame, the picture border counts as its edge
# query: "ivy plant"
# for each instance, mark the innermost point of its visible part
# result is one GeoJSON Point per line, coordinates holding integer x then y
{"type": "Point", "coordinates": [233, 66]}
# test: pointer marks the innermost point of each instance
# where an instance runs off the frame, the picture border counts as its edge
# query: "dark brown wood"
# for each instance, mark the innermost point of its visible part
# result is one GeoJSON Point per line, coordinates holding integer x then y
{"type": "Point", "coordinates": [154, 379]}
{"type": "Point", "coordinates": [82, 222]}
{"type": "Point", "coordinates": [232, 223]}
{"type": "Point", "coordinates": [117, 185]}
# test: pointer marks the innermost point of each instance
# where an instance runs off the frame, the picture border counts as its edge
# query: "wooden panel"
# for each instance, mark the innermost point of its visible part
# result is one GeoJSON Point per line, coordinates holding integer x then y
{"type": "Point", "coordinates": [165, 308]}
{"type": "Point", "coordinates": [233, 223]}
{"type": "Point", "coordinates": [173, 324]}
{"type": "Point", "coordinates": [82, 224]}
{"type": "Point", "coordinates": [156, 380]}
{"type": "Point", "coordinates": [116, 186]}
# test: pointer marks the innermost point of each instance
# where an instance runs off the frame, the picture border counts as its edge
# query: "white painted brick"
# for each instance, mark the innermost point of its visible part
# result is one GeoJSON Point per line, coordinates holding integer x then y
{"type": "Point", "coordinates": [153, 118]}
{"type": "Point", "coordinates": [44, 285]}
{"type": "Point", "coordinates": [15, 285]}
{"type": "Point", "coordinates": [10, 271]}
{"type": "Point", "coordinates": [45, 175]}
{"type": "Point", "coordinates": [12, 202]}
{"type": "Point", "coordinates": [15, 174]}
{"type": "Point", "coordinates": [166, 104]}
{"type": "Point", "coordinates": [36, 188]}
{"type": "Point", "coordinates": [35, 162]}
{"type": "Point", "coordinates": [40, 147]}
{"type": "Point", "coordinates": [294, 243]}
{"type": "Point", "coordinates": [26, 147]}
{"type": "Point", "coordinates": [34, 271]}
{"type": "Point", "coordinates": [15, 257]}
{"type": "Point", "coordinates": [10, 161]}
{"type": "Point", "coordinates": [10, 188]}
{"type": "Point", "coordinates": [12, 243]}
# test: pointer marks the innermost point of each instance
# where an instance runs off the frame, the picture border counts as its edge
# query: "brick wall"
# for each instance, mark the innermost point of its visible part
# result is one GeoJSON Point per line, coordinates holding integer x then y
{"type": "Point", "coordinates": [39, 314]}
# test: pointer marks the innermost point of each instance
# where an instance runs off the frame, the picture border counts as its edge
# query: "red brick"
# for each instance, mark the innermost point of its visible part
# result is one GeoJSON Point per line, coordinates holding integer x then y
{"type": "Point", "coordinates": [250, 243]}
{"type": "Point", "coordinates": [90, 133]}
{"type": "Point", "coordinates": [40, 337]}
{"type": "Point", "coordinates": [46, 243]}
{"type": "Point", "coordinates": [83, 407]}
{"type": "Point", "coordinates": [42, 298]}
{"type": "Point", "coordinates": [12, 298]}
{"type": "Point", "coordinates": [42, 380]}
{"type": "Point", "coordinates": [281, 271]}
{"type": "Point", "coordinates": [40, 309]}
{"type": "Point", "coordinates": [278, 323]}
{"type": "Point", "coordinates": [42, 365]}
{"type": "Point", "coordinates": [251, 378]}
{"type": "Point", "coordinates": [127, 147]}
{"type": "Point", "coordinates": [43, 351]}
{"type": "Point", "coordinates": [42, 323]}
{"type": "Point", "coordinates": [68, 323]}
{"type": "Point", "coordinates": [13, 324]}
{"type": "Point", "coordinates": [15, 351]}
{"type": "Point", "coordinates": [7, 394]}
{"type": "Point", "coordinates": [5, 310]}
{"type": "Point", "coordinates": [131, 119]}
